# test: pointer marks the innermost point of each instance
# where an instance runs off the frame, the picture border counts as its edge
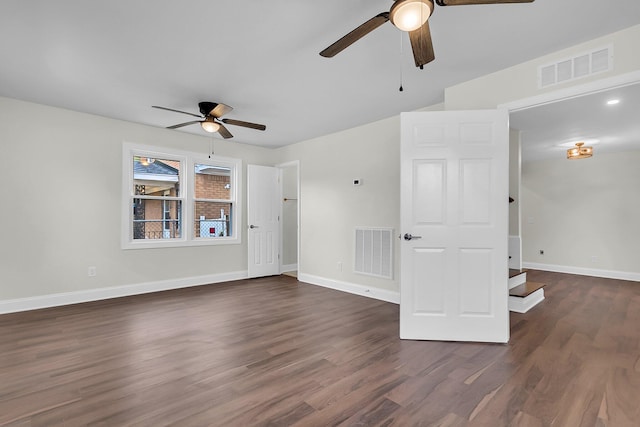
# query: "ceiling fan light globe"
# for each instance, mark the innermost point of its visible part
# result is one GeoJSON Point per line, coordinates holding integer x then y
{"type": "Point", "coordinates": [210, 126]}
{"type": "Point", "coordinates": [409, 15]}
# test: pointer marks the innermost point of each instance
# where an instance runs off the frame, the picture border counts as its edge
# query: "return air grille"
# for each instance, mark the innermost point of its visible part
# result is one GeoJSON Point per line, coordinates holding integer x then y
{"type": "Point", "coordinates": [576, 67]}
{"type": "Point", "coordinates": [374, 247]}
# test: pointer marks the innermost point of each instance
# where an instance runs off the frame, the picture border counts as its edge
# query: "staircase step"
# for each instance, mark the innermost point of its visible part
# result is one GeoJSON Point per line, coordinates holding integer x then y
{"type": "Point", "coordinates": [514, 272]}
{"type": "Point", "coordinates": [517, 277]}
{"type": "Point", "coordinates": [525, 289]}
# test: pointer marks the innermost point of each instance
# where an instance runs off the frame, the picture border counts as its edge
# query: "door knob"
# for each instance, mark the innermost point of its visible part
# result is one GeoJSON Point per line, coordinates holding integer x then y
{"type": "Point", "coordinates": [408, 237]}
{"type": "Point", "coordinates": [253, 226]}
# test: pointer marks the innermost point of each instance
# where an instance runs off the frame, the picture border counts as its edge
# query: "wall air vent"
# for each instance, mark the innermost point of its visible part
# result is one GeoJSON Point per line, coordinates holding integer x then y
{"type": "Point", "coordinates": [374, 252]}
{"type": "Point", "coordinates": [577, 67]}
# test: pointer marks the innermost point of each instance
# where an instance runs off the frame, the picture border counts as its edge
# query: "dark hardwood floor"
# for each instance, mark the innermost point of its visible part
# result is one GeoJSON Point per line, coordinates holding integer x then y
{"type": "Point", "coordinates": [274, 352]}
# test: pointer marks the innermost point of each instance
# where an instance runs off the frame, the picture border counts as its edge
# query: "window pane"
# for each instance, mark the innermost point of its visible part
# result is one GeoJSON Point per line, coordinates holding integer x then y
{"type": "Point", "coordinates": [156, 177]}
{"type": "Point", "coordinates": [212, 182]}
{"type": "Point", "coordinates": [157, 219]}
{"type": "Point", "coordinates": [213, 219]}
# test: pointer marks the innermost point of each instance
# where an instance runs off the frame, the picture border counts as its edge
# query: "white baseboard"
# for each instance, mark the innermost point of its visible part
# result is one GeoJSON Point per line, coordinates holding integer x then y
{"type": "Point", "coordinates": [288, 267]}
{"type": "Point", "coordinates": [352, 288]}
{"type": "Point", "coordinates": [607, 274]}
{"type": "Point", "coordinates": [522, 305]}
{"type": "Point", "coordinates": [66, 298]}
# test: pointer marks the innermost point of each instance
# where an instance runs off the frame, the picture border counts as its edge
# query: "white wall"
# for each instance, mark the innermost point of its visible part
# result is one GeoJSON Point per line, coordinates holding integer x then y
{"type": "Point", "coordinates": [514, 182]}
{"type": "Point", "coordinates": [579, 209]}
{"type": "Point", "coordinates": [521, 81]}
{"type": "Point", "coordinates": [331, 207]}
{"type": "Point", "coordinates": [61, 180]}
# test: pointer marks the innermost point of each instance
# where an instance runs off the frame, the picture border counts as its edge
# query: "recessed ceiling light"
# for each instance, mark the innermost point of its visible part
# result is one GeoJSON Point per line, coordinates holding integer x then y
{"type": "Point", "coordinates": [613, 101]}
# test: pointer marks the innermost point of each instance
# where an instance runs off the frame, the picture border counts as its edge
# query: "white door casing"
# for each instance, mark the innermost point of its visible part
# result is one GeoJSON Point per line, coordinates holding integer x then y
{"type": "Point", "coordinates": [454, 197]}
{"type": "Point", "coordinates": [263, 197]}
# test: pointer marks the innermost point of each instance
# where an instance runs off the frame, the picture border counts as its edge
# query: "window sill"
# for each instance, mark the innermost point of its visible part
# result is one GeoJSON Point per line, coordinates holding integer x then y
{"type": "Point", "coordinates": [178, 243]}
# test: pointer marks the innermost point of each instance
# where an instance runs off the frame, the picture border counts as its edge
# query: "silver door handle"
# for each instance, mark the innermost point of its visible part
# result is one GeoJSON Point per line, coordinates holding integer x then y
{"type": "Point", "coordinates": [408, 237]}
{"type": "Point", "coordinates": [253, 226]}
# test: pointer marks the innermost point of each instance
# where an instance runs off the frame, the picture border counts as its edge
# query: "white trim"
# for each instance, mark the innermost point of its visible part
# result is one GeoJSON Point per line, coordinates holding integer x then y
{"type": "Point", "coordinates": [607, 274]}
{"type": "Point", "coordinates": [352, 288]}
{"type": "Point", "coordinates": [66, 298]}
{"type": "Point", "coordinates": [288, 267]}
{"type": "Point", "coordinates": [522, 305]}
{"type": "Point", "coordinates": [573, 92]}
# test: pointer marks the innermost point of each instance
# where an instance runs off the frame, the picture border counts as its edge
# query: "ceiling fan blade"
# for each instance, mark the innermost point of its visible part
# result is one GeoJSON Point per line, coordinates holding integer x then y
{"type": "Point", "coordinates": [244, 124]}
{"type": "Point", "coordinates": [422, 45]}
{"type": "Point", "coordinates": [183, 124]}
{"type": "Point", "coordinates": [355, 35]}
{"type": "Point", "coordinates": [176, 111]}
{"type": "Point", "coordinates": [466, 2]}
{"type": "Point", "coordinates": [220, 110]}
{"type": "Point", "coordinates": [224, 132]}
{"type": "Point", "coordinates": [214, 109]}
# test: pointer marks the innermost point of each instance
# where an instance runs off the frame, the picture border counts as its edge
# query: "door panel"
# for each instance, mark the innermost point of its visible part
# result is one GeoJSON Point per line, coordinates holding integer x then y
{"type": "Point", "coordinates": [263, 196]}
{"type": "Point", "coordinates": [454, 187]}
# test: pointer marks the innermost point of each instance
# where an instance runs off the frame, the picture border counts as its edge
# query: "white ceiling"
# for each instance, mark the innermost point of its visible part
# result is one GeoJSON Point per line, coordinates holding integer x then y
{"type": "Point", "coordinates": [549, 130]}
{"type": "Point", "coordinates": [117, 58]}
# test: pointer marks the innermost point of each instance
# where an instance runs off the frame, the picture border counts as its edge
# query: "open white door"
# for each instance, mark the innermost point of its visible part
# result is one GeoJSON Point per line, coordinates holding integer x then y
{"type": "Point", "coordinates": [263, 197]}
{"type": "Point", "coordinates": [454, 222]}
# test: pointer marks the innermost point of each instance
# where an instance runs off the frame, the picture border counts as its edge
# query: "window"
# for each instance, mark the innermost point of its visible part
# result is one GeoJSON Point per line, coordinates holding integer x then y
{"type": "Point", "coordinates": [174, 198]}
{"type": "Point", "coordinates": [212, 205]}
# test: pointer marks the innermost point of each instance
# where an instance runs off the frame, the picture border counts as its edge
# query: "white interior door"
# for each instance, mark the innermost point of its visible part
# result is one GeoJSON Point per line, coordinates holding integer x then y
{"type": "Point", "coordinates": [454, 222]}
{"type": "Point", "coordinates": [263, 197]}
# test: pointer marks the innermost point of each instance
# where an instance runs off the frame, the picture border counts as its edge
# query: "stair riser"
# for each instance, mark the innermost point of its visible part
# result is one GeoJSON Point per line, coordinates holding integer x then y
{"type": "Point", "coordinates": [522, 305]}
{"type": "Point", "coordinates": [517, 280]}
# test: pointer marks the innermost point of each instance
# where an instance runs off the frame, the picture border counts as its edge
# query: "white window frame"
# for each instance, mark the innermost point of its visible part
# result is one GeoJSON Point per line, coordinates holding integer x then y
{"type": "Point", "coordinates": [187, 160]}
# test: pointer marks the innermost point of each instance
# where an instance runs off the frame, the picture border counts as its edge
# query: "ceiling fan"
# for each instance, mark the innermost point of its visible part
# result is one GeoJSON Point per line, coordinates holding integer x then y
{"type": "Point", "coordinates": [210, 113]}
{"type": "Point", "coordinates": [410, 16]}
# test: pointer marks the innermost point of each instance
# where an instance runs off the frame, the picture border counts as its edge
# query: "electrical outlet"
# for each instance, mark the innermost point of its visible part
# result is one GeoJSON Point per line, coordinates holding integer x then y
{"type": "Point", "coordinates": [541, 251]}
{"type": "Point", "coordinates": [339, 266]}
{"type": "Point", "coordinates": [594, 258]}
{"type": "Point", "coordinates": [92, 272]}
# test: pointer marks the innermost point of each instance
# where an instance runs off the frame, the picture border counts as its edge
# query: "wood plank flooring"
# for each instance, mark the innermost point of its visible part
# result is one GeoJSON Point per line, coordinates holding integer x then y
{"type": "Point", "coordinates": [275, 352]}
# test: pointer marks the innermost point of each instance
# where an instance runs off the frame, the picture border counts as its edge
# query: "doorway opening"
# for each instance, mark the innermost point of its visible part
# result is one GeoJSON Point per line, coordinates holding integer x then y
{"type": "Point", "coordinates": [290, 217]}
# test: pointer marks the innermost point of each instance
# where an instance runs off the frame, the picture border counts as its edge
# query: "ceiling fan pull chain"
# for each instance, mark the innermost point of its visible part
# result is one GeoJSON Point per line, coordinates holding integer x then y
{"type": "Point", "coordinates": [401, 88]}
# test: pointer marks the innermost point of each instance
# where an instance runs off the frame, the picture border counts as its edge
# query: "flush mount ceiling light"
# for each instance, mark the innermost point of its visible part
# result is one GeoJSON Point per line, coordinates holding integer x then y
{"type": "Point", "coordinates": [409, 15]}
{"type": "Point", "coordinates": [210, 125]}
{"type": "Point", "coordinates": [579, 151]}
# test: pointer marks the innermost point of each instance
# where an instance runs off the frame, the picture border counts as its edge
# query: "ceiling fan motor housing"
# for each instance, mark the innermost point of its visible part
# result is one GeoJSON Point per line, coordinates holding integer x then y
{"type": "Point", "coordinates": [206, 107]}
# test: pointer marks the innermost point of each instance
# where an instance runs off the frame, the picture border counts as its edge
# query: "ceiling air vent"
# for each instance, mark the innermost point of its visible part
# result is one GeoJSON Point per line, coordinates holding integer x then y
{"type": "Point", "coordinates": [579, 66]}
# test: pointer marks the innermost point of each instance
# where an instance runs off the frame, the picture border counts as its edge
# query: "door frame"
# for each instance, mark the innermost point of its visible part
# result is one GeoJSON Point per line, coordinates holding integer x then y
{"type": "Point", "coordinates": [281, 167]}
